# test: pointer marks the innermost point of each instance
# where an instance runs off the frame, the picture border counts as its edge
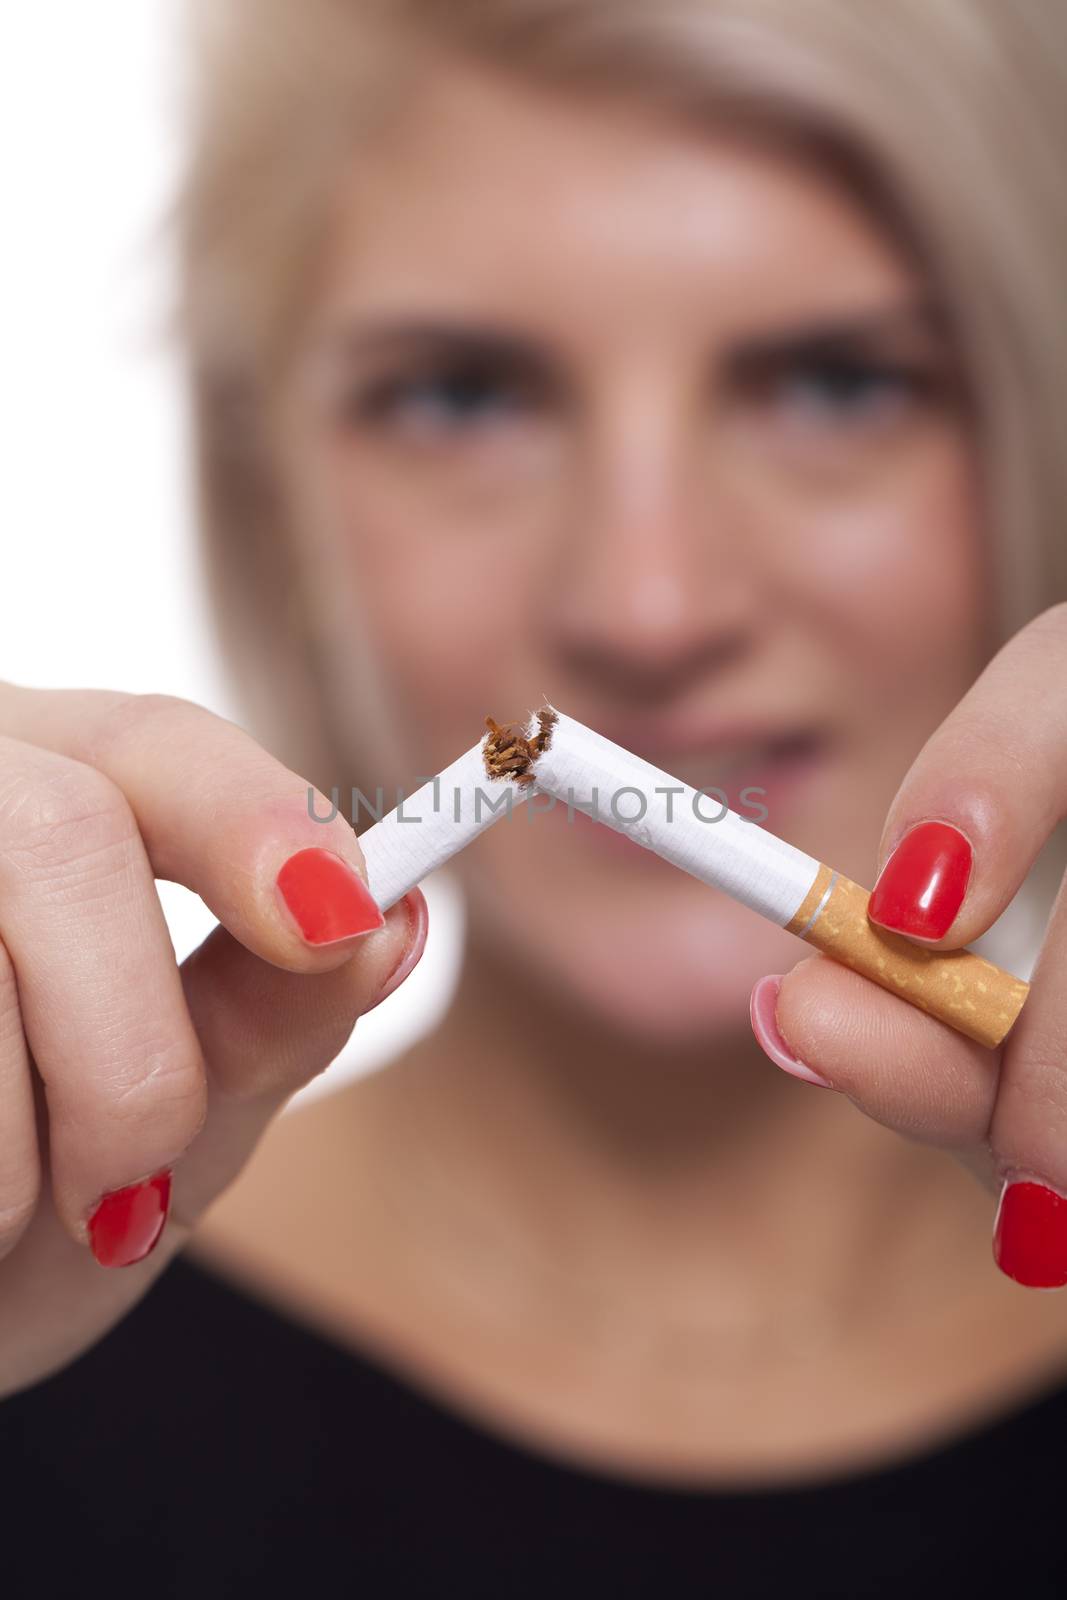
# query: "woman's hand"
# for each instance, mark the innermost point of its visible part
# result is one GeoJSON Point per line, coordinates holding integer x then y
{"type": "Point", "coordinates": [116, 1065]}
{"type": "Point", "coordinates": [970, 818]}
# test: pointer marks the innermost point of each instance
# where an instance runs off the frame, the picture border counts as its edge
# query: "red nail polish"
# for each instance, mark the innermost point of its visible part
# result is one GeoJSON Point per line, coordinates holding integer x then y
{"type": "Point", "coordinates": [921, 887]}
{"type": "Point", "coordinates": [1030, 1235]}
{"type": "Point", "coordinates": [762, 1007]}
{"type": "Point", "coordinates": [328, 900]}
{"type": "Point", "coordinates": [418, 923]}
{"type": "Point", "coordinates": [126, 1225]}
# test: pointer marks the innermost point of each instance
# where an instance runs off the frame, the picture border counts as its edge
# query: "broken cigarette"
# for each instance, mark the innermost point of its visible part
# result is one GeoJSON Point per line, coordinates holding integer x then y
{"type": "Point", "coordinates": [562, 758]}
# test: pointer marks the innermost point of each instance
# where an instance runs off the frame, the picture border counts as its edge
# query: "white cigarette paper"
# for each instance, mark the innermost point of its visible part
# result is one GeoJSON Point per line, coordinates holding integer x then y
{"type": "Point", "coordinates": [433, 824]}
{"type": "Point", "coordinates": [693, 829]}
{"type": "Point", "coordinates": [581, 769]}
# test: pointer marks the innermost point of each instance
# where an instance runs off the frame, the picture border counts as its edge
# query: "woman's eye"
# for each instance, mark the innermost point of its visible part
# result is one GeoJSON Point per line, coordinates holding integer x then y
{"type": "Point", "coordinates": [448, 401]}
{"type": "Point", "coordinates": [846, 393]}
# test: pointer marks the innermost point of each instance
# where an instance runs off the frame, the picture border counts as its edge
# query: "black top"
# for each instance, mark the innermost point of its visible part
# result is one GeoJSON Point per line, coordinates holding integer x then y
{"type": "Point", "coordinates": [210, 1447]}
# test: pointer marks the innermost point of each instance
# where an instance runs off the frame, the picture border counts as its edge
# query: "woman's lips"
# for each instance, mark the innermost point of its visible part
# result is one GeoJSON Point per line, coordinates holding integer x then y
{"type": "Point", "coordinates": [768, 788]}
{"type": "Point", "coordinates": [763, 787]}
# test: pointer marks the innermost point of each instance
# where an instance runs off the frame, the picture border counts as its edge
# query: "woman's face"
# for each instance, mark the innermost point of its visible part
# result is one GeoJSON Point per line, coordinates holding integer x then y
{"type": "Point", "coordinates": [659, 426]}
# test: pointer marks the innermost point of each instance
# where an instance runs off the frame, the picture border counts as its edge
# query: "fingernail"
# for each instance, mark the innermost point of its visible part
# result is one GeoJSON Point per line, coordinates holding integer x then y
{"type": "Point", "coordinates": [762, 1008]}
{"type": "Point", "coordinates": [921, 887]}
{"type": "Point", "coordinates": [326, 897]}
{"type": "Point", "coordinates": [1030, 1235]}
{"type": "Point", "coordinates": [126, 1225]}
{"type": "Point", "coordinates": [418, 923]}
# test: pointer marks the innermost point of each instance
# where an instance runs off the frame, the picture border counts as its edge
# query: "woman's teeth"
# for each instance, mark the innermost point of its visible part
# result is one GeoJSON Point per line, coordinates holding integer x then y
{"type": "Point", "coordinates": [727, 766]}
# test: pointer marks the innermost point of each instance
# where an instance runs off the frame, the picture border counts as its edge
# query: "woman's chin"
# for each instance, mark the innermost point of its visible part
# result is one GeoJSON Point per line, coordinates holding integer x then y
{"type": "Point", "coordinates": [668, 968]}
{"type": "Point", "coordinates": [670, 995]}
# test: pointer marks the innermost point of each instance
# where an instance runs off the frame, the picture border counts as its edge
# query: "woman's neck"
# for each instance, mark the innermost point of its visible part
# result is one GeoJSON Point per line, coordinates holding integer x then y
{"type": "Point", "coordinates": [660, 1174]}
{"type": "Point", "coordinates": [678, 1260]}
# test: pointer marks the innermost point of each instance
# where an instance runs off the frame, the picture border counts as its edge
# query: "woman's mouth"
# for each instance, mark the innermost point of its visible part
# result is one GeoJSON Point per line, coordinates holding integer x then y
{"type": "Point", "coordinates": [762, 781]}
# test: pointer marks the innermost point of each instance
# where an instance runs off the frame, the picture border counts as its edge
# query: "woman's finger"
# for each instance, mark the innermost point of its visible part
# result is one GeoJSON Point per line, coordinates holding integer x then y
{"type": "Point", "coordinates": [266, 1032]}
{"type": "Point", "coordinates": [982, 797]}
{"type": "Point", "coordinates": [1029, 1125]}
{"type": "Point", "coordinates": [20, 1162]}
{"type": "Point", "coordinates": [99, 997]}
{"type": "Point", "coordinates": [287, 1026]}
{"type": "Point", "coordinates": [901, 1067]}
{"type": "Point", "coordinates": [218, 814]}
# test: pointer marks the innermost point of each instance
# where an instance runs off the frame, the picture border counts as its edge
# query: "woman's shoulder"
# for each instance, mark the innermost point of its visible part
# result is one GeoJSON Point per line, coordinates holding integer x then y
{"type": "Point", "coordinates": [212, 1360]}
{"type": "Point", "coordinates": [211, 1433]}
{"type": "Point", "coordinates": [222, 1440]}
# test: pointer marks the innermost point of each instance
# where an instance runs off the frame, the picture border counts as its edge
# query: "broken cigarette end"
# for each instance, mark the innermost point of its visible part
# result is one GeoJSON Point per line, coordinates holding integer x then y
{"type": "Point", "coordinates": [511, 754]}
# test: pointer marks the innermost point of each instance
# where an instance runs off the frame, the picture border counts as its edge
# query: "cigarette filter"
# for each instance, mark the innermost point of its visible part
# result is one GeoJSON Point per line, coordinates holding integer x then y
{"type": "Point", "coordinates": [562, 758]}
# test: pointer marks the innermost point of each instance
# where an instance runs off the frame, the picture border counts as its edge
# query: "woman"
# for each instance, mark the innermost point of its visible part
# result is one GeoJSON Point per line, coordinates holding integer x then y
{"type": "Point", "coordinates": [696, 367]}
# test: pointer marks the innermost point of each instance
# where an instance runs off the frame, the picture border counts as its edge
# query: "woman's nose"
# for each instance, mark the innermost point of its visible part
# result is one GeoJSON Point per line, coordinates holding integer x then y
{"type": "Point", "coordinates": [652, 584]}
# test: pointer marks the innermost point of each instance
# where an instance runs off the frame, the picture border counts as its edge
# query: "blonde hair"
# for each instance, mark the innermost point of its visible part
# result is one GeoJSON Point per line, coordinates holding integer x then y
{"type": "Point", "coordinates": [949, 115]}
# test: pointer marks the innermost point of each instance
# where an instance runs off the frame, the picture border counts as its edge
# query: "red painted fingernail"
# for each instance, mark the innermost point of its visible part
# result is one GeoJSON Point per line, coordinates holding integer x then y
{"type": "Point", "coordinates": [921, 887]}
{"type": "Point", "coordinates": [418, 923]}
{"type": "Point", "coordinates": [328, 900]}
{"type": "Point", "coordinates": [1030, 1235]}
{"type": "Point", "coordinates": [762, 1008]}
{"type": "Point", "coordinates": [126, 1225]}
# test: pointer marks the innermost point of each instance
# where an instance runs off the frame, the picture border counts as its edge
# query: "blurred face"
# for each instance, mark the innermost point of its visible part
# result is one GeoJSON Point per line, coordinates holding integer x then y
{"type": "Point", "coordinates": [657, 425]}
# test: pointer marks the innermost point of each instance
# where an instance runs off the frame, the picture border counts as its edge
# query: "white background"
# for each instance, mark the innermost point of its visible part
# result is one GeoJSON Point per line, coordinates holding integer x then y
{"type": "Point", "coordinates": [99, 585]}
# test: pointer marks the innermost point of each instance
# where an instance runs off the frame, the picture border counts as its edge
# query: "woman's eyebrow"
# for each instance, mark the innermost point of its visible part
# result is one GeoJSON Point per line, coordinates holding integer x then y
{"type": "Point", "coordinates": [371, 337]}
{"type": "Point", "coordinates": [893, 328]}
